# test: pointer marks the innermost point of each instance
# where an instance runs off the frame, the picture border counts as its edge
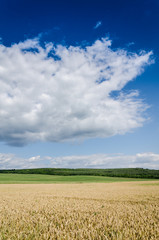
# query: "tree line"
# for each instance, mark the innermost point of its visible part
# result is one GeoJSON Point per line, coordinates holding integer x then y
{"type": "Point", "coordinates": [116, 172]}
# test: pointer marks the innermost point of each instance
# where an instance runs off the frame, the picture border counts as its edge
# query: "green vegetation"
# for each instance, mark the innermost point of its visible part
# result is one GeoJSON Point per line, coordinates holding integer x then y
{"type": "Point", "coordinates": [118, 172]}
{"type": "Point", "coordinates": [39, 178]}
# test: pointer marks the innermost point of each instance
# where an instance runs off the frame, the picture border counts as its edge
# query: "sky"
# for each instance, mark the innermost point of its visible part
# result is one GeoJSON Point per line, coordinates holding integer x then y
{"type": "Point", "coordinates": [79, 84]}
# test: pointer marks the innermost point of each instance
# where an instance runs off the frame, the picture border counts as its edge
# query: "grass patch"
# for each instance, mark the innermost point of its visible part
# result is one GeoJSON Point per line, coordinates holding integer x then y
{"type": "Point", "coordinates": [38, 178]}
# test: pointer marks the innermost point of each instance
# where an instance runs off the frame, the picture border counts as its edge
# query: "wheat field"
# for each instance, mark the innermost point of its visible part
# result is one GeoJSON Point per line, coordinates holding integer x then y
{"type": "Point", "coordinates": [124, 210]}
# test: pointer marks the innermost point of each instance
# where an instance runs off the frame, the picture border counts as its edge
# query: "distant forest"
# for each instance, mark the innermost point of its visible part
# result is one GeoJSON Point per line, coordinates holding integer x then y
{"type": "Point", "coordinates": [117, 172]}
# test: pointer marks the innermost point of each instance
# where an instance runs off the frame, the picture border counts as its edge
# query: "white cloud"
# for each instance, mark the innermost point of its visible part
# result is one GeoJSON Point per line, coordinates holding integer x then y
{"type": "Point", "coordinates": [59, 93]}
{"type": "Point", "coordinates": [140, 160]}
{"type": "Point", "coordinates": [130, 44]}
{"type": "Point", "coordinates": [98, 24]}
{"type": "Point", "coordinates": [10, 161]}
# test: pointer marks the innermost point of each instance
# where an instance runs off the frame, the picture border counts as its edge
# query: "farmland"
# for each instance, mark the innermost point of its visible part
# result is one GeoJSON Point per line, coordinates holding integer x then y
{"type": "Point", "coordinates": [40, 178]}
{"type": "Point", "coordinates": [117, 210]}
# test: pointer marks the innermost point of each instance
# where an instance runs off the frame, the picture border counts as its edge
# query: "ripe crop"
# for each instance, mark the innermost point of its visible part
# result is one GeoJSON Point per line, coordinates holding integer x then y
{"type": "Point", "coordinates": [95, 211]}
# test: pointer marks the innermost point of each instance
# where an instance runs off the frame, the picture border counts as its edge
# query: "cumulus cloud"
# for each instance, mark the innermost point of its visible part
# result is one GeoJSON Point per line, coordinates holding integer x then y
{"type": "Point", "coordinates": [58, 93]}
{"type": "Point", "coordinates": [139, 160]}
{"type": "Point", "coordinates": [10, 161]}
{"type": "Point", "coordinates": [98, 24]}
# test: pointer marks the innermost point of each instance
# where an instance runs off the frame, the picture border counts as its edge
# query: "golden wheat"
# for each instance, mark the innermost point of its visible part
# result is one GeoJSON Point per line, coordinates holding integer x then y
{"type": "Point", "coordinates": [123, 211]}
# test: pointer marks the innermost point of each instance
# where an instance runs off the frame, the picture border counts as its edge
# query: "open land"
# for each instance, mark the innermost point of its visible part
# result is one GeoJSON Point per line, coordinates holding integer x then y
{"type": "Point", "coordinates": [117, 210]}
{"type": "Point", "coordinates": [39, 178]}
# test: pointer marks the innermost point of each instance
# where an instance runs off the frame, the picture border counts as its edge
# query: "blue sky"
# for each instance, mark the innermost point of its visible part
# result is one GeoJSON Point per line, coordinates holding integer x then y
{"type": "Point", "coordinates": [79, 83]}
